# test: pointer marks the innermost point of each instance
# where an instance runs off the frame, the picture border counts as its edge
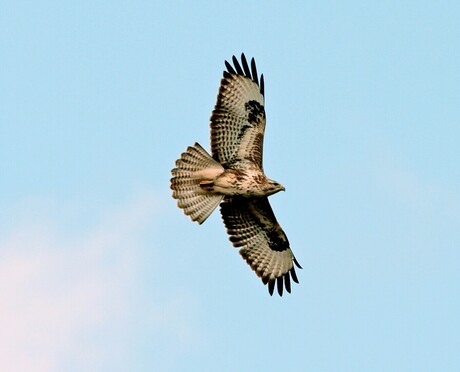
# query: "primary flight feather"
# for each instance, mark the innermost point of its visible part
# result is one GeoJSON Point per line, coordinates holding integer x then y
{"type": "Point", "coordinates": [234, 178]}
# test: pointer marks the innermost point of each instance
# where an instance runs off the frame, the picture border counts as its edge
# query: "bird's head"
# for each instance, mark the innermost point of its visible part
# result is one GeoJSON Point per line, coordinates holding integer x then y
{"type": "Point", "coordinates": [274, 187]}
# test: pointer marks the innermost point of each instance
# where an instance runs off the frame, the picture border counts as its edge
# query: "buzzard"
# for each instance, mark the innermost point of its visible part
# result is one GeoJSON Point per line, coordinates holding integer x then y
{"type": "Point", "coordinates": [234, 178]}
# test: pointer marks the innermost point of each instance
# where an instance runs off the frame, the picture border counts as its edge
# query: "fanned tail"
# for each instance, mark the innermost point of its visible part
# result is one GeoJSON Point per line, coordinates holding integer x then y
{"type": "Point", "coordinates": [194, 170]}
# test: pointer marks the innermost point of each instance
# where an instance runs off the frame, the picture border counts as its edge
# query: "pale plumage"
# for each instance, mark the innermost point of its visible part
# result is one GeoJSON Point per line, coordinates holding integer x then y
{"type": "Point", "coordinates": [234, 174]}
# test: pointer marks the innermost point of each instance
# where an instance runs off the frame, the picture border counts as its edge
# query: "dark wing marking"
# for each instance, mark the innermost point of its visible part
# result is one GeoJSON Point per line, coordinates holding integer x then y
{"type": "Point", "coordinates": [252, 226]}
{"type": "Point", "coordinates": [238, 118]}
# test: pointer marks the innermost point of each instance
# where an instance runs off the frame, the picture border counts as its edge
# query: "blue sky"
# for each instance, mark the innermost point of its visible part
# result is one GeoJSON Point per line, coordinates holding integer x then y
{"type": "Point", "coordinates": [99, 270]}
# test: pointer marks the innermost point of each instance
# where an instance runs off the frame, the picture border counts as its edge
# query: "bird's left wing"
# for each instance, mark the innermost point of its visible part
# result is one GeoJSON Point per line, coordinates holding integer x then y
{"type": "Point", "coordinates": [252, 226]}
{"type": "Point", "coordinates": [238, 118]}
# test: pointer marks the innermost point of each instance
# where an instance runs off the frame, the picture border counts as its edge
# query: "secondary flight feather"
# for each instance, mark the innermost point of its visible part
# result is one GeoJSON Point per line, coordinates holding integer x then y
{"type": "Point", "coordinates": [234, 178]}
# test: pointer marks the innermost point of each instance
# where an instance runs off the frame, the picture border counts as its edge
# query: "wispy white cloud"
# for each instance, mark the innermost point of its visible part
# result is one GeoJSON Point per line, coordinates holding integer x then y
{"type": "Point", "coordinates": [56, 288]}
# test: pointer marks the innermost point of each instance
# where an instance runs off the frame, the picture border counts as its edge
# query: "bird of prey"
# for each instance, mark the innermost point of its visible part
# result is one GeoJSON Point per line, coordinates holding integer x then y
{"type": "Point", "coordinates": [234, 178]}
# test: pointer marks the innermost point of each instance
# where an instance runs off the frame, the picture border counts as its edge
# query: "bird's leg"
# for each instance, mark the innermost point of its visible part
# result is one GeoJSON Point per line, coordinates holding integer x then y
{"type": "Point", "coordinates": [207, 185]}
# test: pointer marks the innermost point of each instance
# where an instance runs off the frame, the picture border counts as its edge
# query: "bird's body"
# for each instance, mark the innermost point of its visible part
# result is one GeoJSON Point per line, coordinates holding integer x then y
{"type": "Point", "coordinates": [234, 175]}
{"type": "Point", "coordinates": [247, 182]}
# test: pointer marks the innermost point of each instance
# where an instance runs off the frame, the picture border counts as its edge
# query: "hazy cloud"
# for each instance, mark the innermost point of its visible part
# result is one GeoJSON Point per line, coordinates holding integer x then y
{"type": "Point", "coordinates": [57, 288]}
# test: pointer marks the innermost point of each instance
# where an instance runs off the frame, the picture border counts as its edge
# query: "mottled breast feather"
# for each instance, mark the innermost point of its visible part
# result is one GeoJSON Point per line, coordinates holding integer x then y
{"type": "Point", "coordinates": [253, 228]}
{"type": "Point", "coordinates": [238, 118]}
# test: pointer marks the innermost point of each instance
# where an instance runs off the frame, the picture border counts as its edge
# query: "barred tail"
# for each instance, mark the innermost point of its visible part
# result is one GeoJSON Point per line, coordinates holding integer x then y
{"type": "Point", "coordinates": [194, 168]}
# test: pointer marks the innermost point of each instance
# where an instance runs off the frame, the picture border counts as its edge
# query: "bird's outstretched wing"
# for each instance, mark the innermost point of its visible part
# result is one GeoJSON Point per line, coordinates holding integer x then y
{"type": "Point", "coordinates": [238, 119]}
{"type": "Point", "coordinates": [252, 226]}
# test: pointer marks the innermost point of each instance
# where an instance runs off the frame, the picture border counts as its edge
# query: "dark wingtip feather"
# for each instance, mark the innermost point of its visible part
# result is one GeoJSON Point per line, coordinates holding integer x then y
{"type": "Point", "coordinates": [294, 275]}
{"type": "Point", "coordinates": [229, 68]}
{"type": "Point", "coordinates": [279, 283]}
{"type": "Point", "coordinates": [297, 263]}
{"type": "Point", "coordinates": [271, 287]}
{"type": "Point", "coordinates": [287, 281]}
{"type": "Point", "coordinates": [262, 85]}
{"type": "Point", "coordinates": [237, 65]}
{"type": "Point", "coordinates": [255, 77]}
{"type": "Point", "coordinates": [247, 72]}
{"type": "Point", "coordinates": [244, 69]}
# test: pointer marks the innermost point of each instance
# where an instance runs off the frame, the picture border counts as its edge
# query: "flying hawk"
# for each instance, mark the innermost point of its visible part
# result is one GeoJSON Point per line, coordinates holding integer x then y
{"type": "Point", "coordinates": [234, 178]}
